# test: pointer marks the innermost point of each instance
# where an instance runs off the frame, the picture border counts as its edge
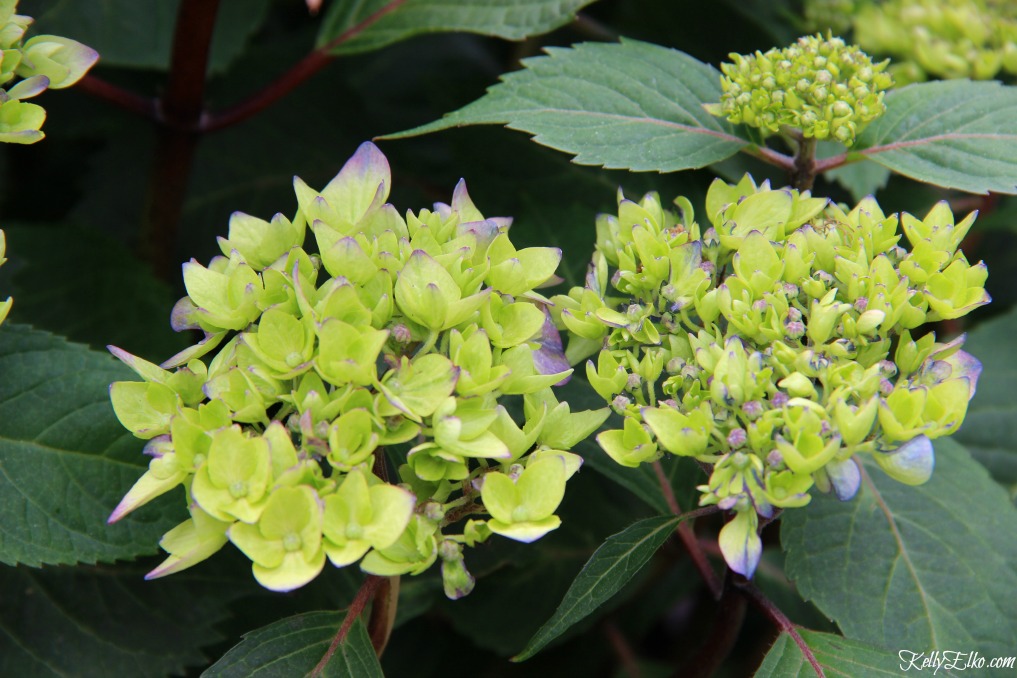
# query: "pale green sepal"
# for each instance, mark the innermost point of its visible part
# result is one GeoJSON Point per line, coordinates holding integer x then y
{"type": "Point", "coordinates": [417, 387]}
{"type": "Point", "coordinates": [190, 542]}
{"type": "Point", "coordinates": [295, 571]}
{"type": "Point", "coordinates": [424, 291]}
{"type": "Point", "coordinates": [363, 182]}
{"type": "Point", "coordinates": [525, 532]}
{"type": "Point", "coordinates": [681, 434]}
{"type": "Point", "coordinates": [62, 60]}
{"type": "Point", "coordinates": [153, 483]}
{"type": "Point", "coordinates": [145, 409]}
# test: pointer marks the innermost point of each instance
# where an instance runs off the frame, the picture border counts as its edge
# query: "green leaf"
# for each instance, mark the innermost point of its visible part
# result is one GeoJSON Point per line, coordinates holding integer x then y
{"type": "Point", "coordinates": [954, 133]}
{"type": "Point", "coordinates": [65, 460]}
{"type": "Point", "coordinates": [139, 33]}
{"type": "Point", "coordinates": [860, 179]}
{"type": "Point", "coordinates": [989, 431]}
{"type": "Point", "coordinates": [101, 622]}
{"type": "Point", "coordinates": [372, 24]}
{"type": "Point", "coordinates": [293, 646]}
{"type": "Point", "coordinates": [932, 567]}
{"type": "Point", "coordinates": [630, 105]}
{"type": "Point", "coordinates": [612, 565]}
{"type": "Point", "coordinates": [837, 655]}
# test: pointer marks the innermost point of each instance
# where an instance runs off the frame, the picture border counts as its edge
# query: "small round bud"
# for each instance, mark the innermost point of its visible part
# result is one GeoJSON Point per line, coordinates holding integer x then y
{"type": "Point", "coordinates": [753, 409]}
{"type": "Point", "coordinates": [736, 438]}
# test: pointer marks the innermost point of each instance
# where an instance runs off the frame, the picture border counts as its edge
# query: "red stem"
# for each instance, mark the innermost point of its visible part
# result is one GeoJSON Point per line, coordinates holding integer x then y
{"type": "Point", "coordinates": [781, 620]}
{"type": "Point", "coordinates": [688, 536]}
{"type": "Point", "coordinates": [364, 594]}
{"type": "Point", "coordinates": [179, 110]}
{"type": "Point", "coordinates": [118, 96]}
{"type": "Point", "coordinates": [292, 78]}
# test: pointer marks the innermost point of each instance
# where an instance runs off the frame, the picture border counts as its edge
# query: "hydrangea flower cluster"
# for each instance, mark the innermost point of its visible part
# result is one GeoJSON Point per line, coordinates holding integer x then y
{"type": "Point", "coordinates": [821, 86]}
{"type": "Point", "coordinates": [958, 39]}
{"type": "Point", "coordinates": [776, 346]}
{"type": "Point", "coordinates": [43, 61]}
{"type": "Point", "coordinates": [401, 339]}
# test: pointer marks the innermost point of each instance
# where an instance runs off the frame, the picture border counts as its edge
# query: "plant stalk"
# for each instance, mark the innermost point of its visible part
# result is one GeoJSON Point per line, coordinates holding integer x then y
{"type": "Point", "coordinates": [688, 536]}
{"type": "Point", "coordinates": [179, 111]}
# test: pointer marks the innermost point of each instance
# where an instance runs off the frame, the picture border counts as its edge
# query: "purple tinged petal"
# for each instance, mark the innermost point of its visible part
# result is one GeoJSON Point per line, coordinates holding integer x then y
{"type": "Point", "coordinates": [966, 366]}
{"type": "Point", "coordinates": [550, 358]}
{"type": "Point", "coordinates": [485, 231]}
{"type": "Point", "coordinates": [845, 478]}
{"type": "Point", "coordinates": [183, 317]}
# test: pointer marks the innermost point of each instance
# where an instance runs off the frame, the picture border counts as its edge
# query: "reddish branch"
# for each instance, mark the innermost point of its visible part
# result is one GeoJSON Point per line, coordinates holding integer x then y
{"type": "Point", "coordinates": [688, 536]}
{"type": "Point", "coordinates": [292, 78]}
{"type": "Point", "coordinates": [364, 595]}
{"type": "Point", "coordinates": [179, 110]}
{"type": "Point", "coordinates": [782, 622]}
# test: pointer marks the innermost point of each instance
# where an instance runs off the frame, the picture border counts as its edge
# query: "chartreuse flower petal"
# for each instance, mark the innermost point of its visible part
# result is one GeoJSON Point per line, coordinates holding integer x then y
{"type": "Point", "coordinates": [351, 439]}
{"type": "Point", "coordinates": [259, 242]}
{"type": "Point", "coordinates": [630, 446]}
{"type": "Point", "coordinates": [523, 509]}
{"type": "Point", "coordinates": [563, 429]}
{"type": "Point", "coordinates": [425, 292]}
{"type": "Point", "coordinates": [233, 482]}
{"type": "Point", "coordinates": [682, 434]}
{"type": "Point", "coordinates": [347, 354]}
{"type": "Point", "coordinates": [62, 60]}
{"type": "Point", "coordinates": [412, 552]}
{"type": "Point", "coordinates": [514, 272]}
{"type": "Point", "coordinates": [474, 361]}
{"type": "Point", "coordinates": [283, 342]}
{"type": "Point", "coordinates": [523, 377]}
{"type": "Point", "coordinates": [190, 542]}
{"type": "Point", "coordinates": [359, 517]}
{"type": "Point", "coordinates": [144, 409]}
{"type": "Point", "coordinates": [20, 123]}
{"type": "Point", "coordinates": [417, 386]}
{"type": "Point", "coordinates": [285, 544]}
{"type": "Point", "coordinates": [740, 543]}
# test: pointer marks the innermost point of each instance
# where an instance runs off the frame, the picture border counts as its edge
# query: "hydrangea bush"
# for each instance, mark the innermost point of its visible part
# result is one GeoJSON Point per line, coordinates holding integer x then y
{"type": "Point", "coordinates": [761, 376]}
{"type": "Point", "coordinates": [399, 333]}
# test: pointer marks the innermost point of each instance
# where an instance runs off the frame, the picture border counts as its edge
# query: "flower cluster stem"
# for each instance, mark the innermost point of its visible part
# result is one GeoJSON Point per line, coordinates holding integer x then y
{"type": "Point", "coordinates": [365, 594]}
{"type": "Point", "coordinates": [688, 535]}
{"type": "Point", "coordinates": [757, 598]}
{"type": "Point", "coordinates": [804, 173]}
{"type": "Point", "coordinates": [179, 110]}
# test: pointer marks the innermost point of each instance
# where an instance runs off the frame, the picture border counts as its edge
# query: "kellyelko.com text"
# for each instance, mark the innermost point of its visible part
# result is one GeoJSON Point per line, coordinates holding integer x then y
{"type": "Point", "coordinates": [951, 660]}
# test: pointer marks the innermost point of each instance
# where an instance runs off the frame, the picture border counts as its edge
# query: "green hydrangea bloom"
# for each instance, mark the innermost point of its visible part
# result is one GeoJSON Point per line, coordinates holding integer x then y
{"type": "Point", "coordinates": [391, 339]}
{"type": "Point", "coordinates": [775, 346]}
{"type": "Point", "coordinates": [820, 86]}
{"type": "Point", "coordinates": [974, 39]}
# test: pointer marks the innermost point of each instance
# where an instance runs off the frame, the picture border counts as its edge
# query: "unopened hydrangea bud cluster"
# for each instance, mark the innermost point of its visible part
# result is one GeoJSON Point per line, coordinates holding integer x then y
{"type": "Point", "coordinates": [396, 340]}
{"type": "Point", "coordinates": [958, 39]}
{"type": "Point", "coordinates": [820, 86]}
{"type": "Point", "coordinates": [43, 61]}
{"type": "Point", "coordinates": [779, 346]}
